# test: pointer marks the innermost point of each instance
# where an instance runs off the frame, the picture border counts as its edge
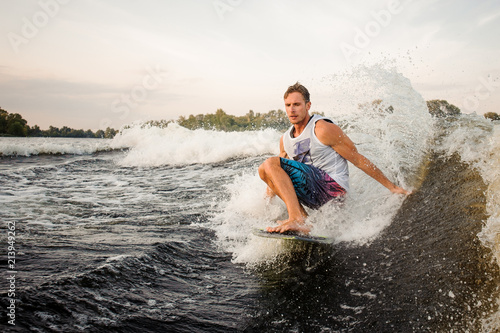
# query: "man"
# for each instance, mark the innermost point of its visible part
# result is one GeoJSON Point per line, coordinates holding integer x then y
{"type": "Point", "coordinates": [311, 168]}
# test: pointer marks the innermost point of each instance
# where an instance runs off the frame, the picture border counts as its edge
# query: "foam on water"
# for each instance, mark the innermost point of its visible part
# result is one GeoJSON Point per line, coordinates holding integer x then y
{"type": "Point", "coordinates": [491, 232]}
{"type": "Point", "coordinates": [38, 146]}
{"type": "Point", "coordinates": [385, 132]}
{"type": "Point", "coordinates": [176, 145]}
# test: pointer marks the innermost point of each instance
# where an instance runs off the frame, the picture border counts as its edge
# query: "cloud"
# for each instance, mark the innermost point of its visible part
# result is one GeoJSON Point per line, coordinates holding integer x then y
{"type": "Point", "coordinates": [93, 52]}
{"type": "Point", "coordinates": [489, 18]}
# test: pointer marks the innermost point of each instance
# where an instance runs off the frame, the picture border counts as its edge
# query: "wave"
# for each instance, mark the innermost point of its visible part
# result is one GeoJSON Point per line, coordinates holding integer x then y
{"type": "Point", "coordinates": [393, 132]}
{"type": "Point", "coordinates": [405, 142]}
{"type": "Point", "coordinates": [53, 146]}
{"type": "Point", "coordinates": [476, 141]}
{"type": "Point", "coordinates": [175, 145]}
{"type": "Point", "coordinates": [490, 234]}
{"type": "Point", "coordinates": [157, 290]}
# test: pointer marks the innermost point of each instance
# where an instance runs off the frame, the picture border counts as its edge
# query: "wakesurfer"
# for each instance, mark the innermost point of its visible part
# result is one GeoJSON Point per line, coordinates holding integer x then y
{"type": "Point", "coordinates": [312, 167]}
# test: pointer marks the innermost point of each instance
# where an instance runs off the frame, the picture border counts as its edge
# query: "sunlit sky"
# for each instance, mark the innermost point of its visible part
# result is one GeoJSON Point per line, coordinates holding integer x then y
{"type": "Point", "coordinates": [92, 64]}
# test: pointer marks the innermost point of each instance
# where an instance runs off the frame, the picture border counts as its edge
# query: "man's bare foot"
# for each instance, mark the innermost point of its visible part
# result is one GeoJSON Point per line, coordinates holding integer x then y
{"type": "Point", "coordinates": [281, 222]}
{"type": "Point", "coordinates": [290, 225]}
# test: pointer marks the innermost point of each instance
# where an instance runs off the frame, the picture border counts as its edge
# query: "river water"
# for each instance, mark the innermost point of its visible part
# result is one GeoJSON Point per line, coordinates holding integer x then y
{"type": "Point", "coordinates": [151, 231]}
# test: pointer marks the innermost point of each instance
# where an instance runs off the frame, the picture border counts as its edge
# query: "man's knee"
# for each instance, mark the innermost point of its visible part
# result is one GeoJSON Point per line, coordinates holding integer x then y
{"type": "Point", "coordinates": [265, 167]}
{"type": "Point", "coordinates": [262, 170]}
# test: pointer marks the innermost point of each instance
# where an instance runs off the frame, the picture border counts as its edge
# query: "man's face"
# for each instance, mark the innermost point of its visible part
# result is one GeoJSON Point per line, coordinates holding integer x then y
{"type": "Point", "coordinates": [296, 108]}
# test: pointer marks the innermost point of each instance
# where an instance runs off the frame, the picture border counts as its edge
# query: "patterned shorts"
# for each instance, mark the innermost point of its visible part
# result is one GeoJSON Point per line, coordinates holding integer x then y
{"type": "Point", "coordinates": [313, 186]}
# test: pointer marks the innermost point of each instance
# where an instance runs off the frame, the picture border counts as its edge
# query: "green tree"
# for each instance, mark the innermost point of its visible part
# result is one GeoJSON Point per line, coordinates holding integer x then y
{"type": "Point", "coordinates": [16, 125]}
{"type": "Point", "coordinates": [99, 134]}
{"type": "Point", "coordinates": [65, 131]}
{"type": "Point", "coordinates": [35, 131]}
{"type": "Point", "coordinates": [53, 131]}
{"type": "Point", "coordinates": [110, 133]}
{"type": "Point", "coordinates": [441, 108]}
{"type": "Point", "coordinates": [3, 121]}
{"type": "Point", "coordinates": [492, 116]}
{"type": "Point", "coordinates": [16, 129]}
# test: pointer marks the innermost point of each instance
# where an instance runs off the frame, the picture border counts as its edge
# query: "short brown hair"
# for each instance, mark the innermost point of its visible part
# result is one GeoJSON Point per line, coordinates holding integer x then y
{"type": "Point", "coordinates": [297, 87]}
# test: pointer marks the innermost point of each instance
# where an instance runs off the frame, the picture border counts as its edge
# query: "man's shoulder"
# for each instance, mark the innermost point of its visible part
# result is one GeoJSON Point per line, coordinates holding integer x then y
{"type": "Point", "coordinates": [327, 132]}
{"type": "Point", "coordinates": [326, 124]}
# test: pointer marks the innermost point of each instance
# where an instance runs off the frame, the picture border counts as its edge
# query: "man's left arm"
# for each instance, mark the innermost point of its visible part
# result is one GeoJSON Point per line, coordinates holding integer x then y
{"type": "Point", "coordinates": [332, 135]}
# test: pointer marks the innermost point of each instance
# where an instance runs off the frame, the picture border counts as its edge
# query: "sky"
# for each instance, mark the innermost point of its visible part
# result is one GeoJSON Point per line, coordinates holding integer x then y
{"type": "Point", "coordinates": [93, 64]}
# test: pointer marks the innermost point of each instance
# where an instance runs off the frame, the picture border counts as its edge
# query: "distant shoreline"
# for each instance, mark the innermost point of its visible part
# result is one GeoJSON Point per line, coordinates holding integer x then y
{"type": "Point", "coordinates": [13, 124]}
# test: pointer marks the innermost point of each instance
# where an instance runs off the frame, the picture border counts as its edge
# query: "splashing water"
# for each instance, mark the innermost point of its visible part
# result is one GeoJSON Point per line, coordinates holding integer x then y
{"type": "Point", "coordinates": [393, 132]}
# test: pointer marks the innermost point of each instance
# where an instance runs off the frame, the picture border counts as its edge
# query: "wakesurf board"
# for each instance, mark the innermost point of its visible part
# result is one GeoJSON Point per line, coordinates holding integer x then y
{"type": "Point", "coordinates": [293, 236]}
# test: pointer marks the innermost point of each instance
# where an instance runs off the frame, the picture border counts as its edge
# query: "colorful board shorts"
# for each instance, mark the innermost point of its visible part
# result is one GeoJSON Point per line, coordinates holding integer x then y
{"type": "Point", "coordinates": [313, 186]}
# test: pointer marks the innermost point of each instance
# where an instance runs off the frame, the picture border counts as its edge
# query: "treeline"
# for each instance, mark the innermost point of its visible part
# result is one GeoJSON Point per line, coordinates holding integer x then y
{"type": "Point", "coordinates": [492, 115]}
{"type": "Point", "coordinates": [221, 121]}
{"type": "Point", "coordinates": [13, 124]}
{"type": "Point", "coordinates": [66, 132]}
{"type": "Point", "coordinates": [441, 108]}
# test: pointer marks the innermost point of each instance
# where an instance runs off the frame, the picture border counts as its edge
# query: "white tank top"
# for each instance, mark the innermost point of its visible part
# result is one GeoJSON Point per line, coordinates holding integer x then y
{"type": "Point", "coordinates": [307, 148]}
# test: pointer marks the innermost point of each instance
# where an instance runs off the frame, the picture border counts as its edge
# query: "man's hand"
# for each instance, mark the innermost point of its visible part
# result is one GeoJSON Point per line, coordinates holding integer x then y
{"type": "Point", "coordinates": [399, 190]}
